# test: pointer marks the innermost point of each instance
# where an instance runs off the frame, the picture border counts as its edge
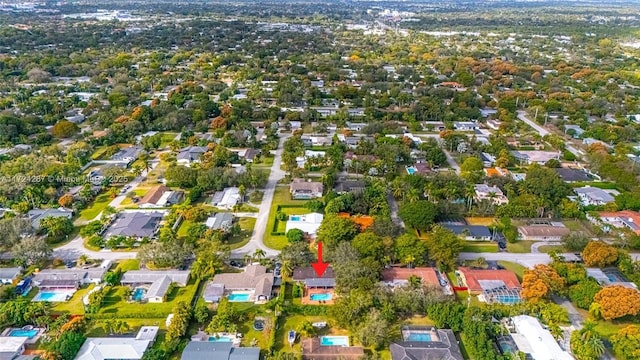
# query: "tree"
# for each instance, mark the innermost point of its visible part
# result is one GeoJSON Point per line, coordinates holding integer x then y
{"type": "Point", "coordinates": [180, 321]}
{"type": "Point", "coordinates": [410, 250]}
{"type": "Point", "coordinates": [540, 282]}
{"type": "Point", "coordinates": [295, 235]}
{"type": "Point", "coordinates": [586, 343]}
{"type": "Point", "coordinates": [374, 330]}
{"type": "Point", "coordinates": [64, 129]}
{"type": "Point", "coordinates": [575, 241]}
{"type": "Point", "coordinates": [444, 247]}
{"type": "Point", "coordinates": [599, 254]}
{"type": "Point", "coordinates": [201, 312]}
{"type": "Point", "coordinates": [583, 293]}
{"type": "Point", "coordinates": [168, 254]}
{"type": "Point", "coordinates": [419, 214]}
{"type": "Point", "coordinates": [67, 344]}
{"type": "Point", "coordinates": [66, 200]}
{"type": "Point", "coordinates": [296, 255]}
{"type": "Point", "coordinates": [369, 244]}
{"type": "Point", "coordinates": [31, 250]}
{"type": "Point", "coordinates": [618, 301]}
{"type": "Point", "coordinates": [626, 343]}
{"type": "Point", "coordinates": [471, 169]}
{"type": "Point", "coordinates": [335, 229]}
{"type": "Point", "coordinates": [56, 227]}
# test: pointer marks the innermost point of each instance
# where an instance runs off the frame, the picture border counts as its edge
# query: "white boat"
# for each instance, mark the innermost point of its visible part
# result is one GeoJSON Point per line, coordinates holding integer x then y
{"type": "Point", "coordinates": [319, 324]}
{"type": "Point", "coordinates": [292, 337]}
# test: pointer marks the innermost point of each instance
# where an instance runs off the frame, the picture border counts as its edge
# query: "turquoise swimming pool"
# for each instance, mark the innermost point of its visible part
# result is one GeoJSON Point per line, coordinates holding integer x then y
{"type": "Point", "coordinates": [334, 340]}
{"type": "Point", "coordinates": [321, 297]}
{"type": "Point", "coordinates": [419, 336]}
{"type": "Point", "coordinates": [220, 339]}
{"type": "Point", "coordinates": [138, 294]}
{"type": "Point", "coordinates": [24, 333]}
{"type": "Point", "coordinates": [238, 297]}
{"type": "Point", "coordinates": [52, 296]}
{"type": "Point", "coordinates": [294, 218]}
{"type": "Point", "coordinates": [411, 170]}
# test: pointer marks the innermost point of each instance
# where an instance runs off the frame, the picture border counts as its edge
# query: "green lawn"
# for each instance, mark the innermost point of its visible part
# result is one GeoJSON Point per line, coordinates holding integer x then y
{"type": "Point", "coordinates": [117, 304]}
{"type": "Point", "coordinates": [246, 225]}
{"type": "Point", "coordinates": [520, 246]}
{"type": "Point", "coordinates": [75, 305]}
{"type": "Point", "coordinates": [281, 197]}
{"type": "Point", "coordinates": [480, 247]}
{"type": "Point", "coordinates": [140, 192]}
{"type": "Point", "coordinates": [516, 268]}
{"type": "Point", "coordinates": [293, 322]}
{"type": "Point", "coordinates": [167, 138]}
{"type": "Point", "coordinates": [609, 328]}
{"type": "Point", "coordinates": [101, 202]}
{"type": "Point", "coordinates": [96, 330]}
{"type": "Point", "coordinates": [97, 155]}
{"type": "Point", "coordinates": [126, 265]}
{"type": "Point", "coordinates": [183, 230]}
{"type": "Point", "coordinates": [550, 248]}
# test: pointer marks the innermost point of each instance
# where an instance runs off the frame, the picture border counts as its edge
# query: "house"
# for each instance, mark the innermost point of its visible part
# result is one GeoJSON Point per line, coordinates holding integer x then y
{"type": "Point", "coordinates": [573, 175]}
{"type": "Point", "coordinates": [250, 155]}
{"type": "Point", "coordinates": [313, 349]}
{"type": "Point", "coordinates": [536, 341]}
{"type": "Point", "coordinates": [592, 141]}
{"type": "Point", "coordinates": [316, 140]}
{"type": "Point", "coordinates": [12, 346]}
{"type": "Point", "coordinates": [593, 196]}
{"type": "Point", "coordinates": [610, 277]}
{"type": "Point", "coordinates": [129, 348]}
{"type": "Point", "coordinates": [622, 219]}
{"type": "Point", "coordinates": [396, 276]}
{"type": "Point", "coordinates": [497, 172]}
{"type": "Point", "coordinates": [308, 223]}
{"type": "Point", "coordinates": [8, 275]}
{"type": "Point", "coordinates": [161, 196]}
{"type": "Point", "coordinates": [543, 232]}
{"type": "Point", "coordinates": [470, 232]}
{"type": "Point", "coordinates": [36, 215]}
{"type": "Point", "coordinates": [255, 279]}
{"type": "Point", "coordinates": [227, 199]}
{"type": "Point", "coordinates": [128, 154]}
{"type": "Point", "coordinates": [491, 193]}
{"type": "Point", "coordinates": [212, 350]}
{"type": "Point", "coordinates": [301, 189]}
{"type": "Point", "coordinates": [479, 280]}
{"type": "Point", "coordinates": [493, 124]}
{"type": "Point", "coordinates": [350, 186]}
{"type": "Point", "coordinates": [213, 292]}
{"type": "Point", "coordinates": [220, 221]}
{"type": "Point", "coordinates": [190, 155]}
{"type": "Point", "coordinates": [136, 224]}
{"type": "Point", "coordinates": [487, 159]}
{"type": "Point", "coordinates": [72, 278]}
{"type": "Point", "coordinates": [356, 126]}
{"type": "Point", "coordinates": [535, 156]}
{"type": "Point", "coordinates": [419, 168]}
{"type": "Point", "coordinates": [426, 342]}
{"type": "Point", "coordinates": [575, 129]}
{"type": "Point", "coordinates": [325, 111]}
{"type": "Point", "coordinates": [310, 279]}
{"type": "Point", "coordinates": [158, 282]}
{"type": "Point", "coordinates": [466, 125]}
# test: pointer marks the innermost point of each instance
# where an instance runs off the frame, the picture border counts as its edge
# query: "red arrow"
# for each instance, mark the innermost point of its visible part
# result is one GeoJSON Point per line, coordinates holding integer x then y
{"type": "Point", "coordinates": [320, 266]}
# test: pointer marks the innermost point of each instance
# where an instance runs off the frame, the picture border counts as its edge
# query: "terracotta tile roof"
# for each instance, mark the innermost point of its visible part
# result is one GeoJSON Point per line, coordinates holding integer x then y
{"type": "Point", "coordinates": [153, 195]}
{"type": "Point", "coordinates": [427, 274]}
{"type": "Point", "coordinates": [473, 276]}
{"type": "Point", "coordinates": [363, 221]}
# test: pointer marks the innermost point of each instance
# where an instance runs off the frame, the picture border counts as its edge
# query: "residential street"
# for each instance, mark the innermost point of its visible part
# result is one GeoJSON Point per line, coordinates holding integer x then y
{"type": "Point", "coordinates": [522, 115]}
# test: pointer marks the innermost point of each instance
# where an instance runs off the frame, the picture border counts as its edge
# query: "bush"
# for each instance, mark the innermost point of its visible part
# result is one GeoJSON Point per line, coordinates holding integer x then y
{"type": "Point", "coordinates": [295, 235]}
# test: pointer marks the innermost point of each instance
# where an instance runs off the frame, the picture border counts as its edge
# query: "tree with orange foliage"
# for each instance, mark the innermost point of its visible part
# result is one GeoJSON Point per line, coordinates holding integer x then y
{"type": "Point", "coordinates": [599, 254]}
{"type": "Point", "coordinates": [65, 200]}
{"type": "Point", "coordinates": [122, 119]}
{"type": "Point", "coordinates": [540, 282]}
{"type": "Point", "coordinates": [77, 324]}
{"type": "Point", "coordinates": [219, 123]}
{"type": "Point", "coordinates": [618, 301]}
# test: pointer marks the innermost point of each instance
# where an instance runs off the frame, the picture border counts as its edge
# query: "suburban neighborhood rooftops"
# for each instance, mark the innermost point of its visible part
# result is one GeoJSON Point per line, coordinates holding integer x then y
{"type": "Point", "coordinates": [149, 276]}
{"type": "Point", "coordinates": [472, 278]}
{"type": "Point", "coordinates": [135, 224]}
{"type": "Point", "coordinates": [572, 175]}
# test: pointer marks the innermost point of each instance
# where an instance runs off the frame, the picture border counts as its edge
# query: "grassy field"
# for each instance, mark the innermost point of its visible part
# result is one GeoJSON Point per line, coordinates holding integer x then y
{"type": "Point", "coordinates": [281, 197]}
{"type": "Point", "coordinates": [101, 202]}
{"type": "Point", "coordinates": [550, 248]}
{"type": "Point", "coordinates": [246, 225]}
{"type": "Point", "coordinates": [520, 246]}
{"type": "Point", "coordinates": [139, 191]}
{"type": "Point", "coordinates": [117, 304]}
{"type": "Point", "coordinates": [480, 246]}
{"type": "Point", "coordinates": [96, 327]}
{"type": "Point", "coordinates": [516, 268]}
{"type": "Point", "coordinates": [579, 225]}
{"type": "Point", "coordinates": [293, 322]}
{"type": "Point", "coordinates": [97, 155]}
{"type": "Point", "coordinates": [75, 305]}
{"type": "Point", "coordinates": [126, 265]}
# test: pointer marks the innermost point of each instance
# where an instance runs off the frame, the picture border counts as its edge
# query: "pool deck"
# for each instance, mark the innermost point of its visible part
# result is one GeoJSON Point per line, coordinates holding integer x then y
{"type": "Point", "coordinates": [31, 340]}
{"type": "Point", "coordinates": [306, 299]}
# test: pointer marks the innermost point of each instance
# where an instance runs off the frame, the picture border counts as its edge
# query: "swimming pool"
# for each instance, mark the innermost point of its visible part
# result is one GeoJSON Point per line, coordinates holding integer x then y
{"type": "Point", "coordinates": [507, 347]}
{"type": "Point", "coordinates": [138, 294]}
{"type": "Point", "coordinates": [52, 296]}
{"type": "Point", "coordinates": [321, 297]}
{"type": "Point", "coordinates": [419, 336]}
{"type": "Point", "coordinates": [411, 170]}
{"type": "Point", "coordinates": [334, 340]}
{"type": "Point", "coordinates": [220, 339]}
{"type": "Point", "coordinates": [294, 218]}
{"type": "Point", "coordinates": [24, 333]}
{"type": "Point", "coordinates": [508, 299]}
{"type": "Point", "coordinates": [238, 297]}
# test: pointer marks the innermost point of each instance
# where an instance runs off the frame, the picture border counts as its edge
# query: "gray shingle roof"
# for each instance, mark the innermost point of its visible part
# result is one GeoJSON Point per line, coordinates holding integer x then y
{"type": "Point", "coordinates": [254, 277]}
{"type": "Point", "coordinates": [205, 350]}
{"type": "Point", "coordinates": [135, 224]}
{"type": "Point", "coordinates": [158, 288]}
{"type": "Point", "coordinates": [9, 273]}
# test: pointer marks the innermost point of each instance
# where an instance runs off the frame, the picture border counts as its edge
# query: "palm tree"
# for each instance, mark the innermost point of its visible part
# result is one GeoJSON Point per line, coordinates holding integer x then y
{"type": "Point", "coordinates": [286, 269]}
{"type": "Point", "coordinates": [306, 329]}
{"type": "Point", "coordinates": [408, 260]}
{"type": "Point", "coordinates": [595, 310]}
{"type": "Point", "coordinates": [413, 195]}
{"type": "Point", "coordinates": [397, 188]}
{"type": "Point", "coordinates": [259, 254]}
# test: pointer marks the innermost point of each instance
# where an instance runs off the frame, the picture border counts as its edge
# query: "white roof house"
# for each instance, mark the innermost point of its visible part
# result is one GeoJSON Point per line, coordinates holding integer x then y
{"type": "Point", "coordinates": [229, 198]}
{"type": "Point", "coordinates": [125, 348]}
{"type": "Point", "coordinates": [491, 193]}
{"type": "Point", "coordinates": [533, 339]}
{"type": "Point", "coordinates": [11, 346]}
{"type": "Point", "coordinates": [593, 196]}
{"type": "Point", "coordinates": [308, 223]}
